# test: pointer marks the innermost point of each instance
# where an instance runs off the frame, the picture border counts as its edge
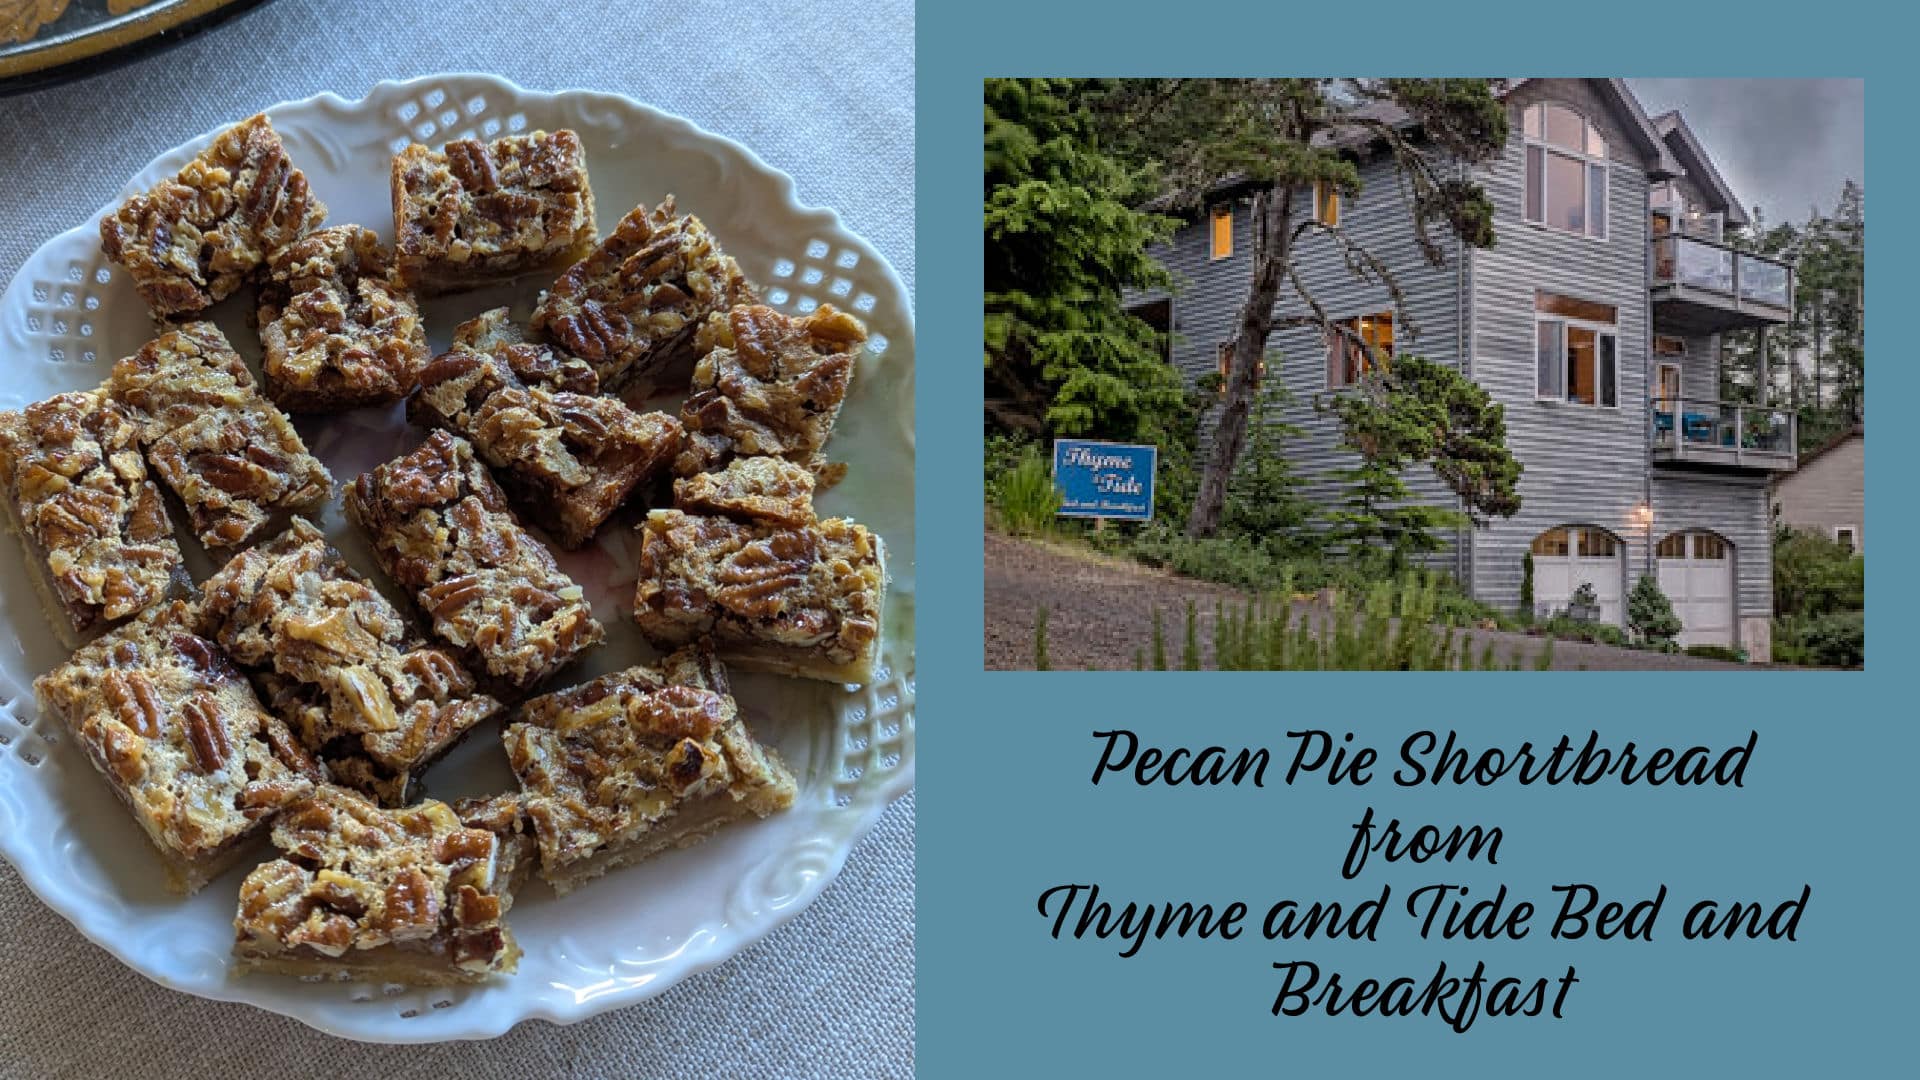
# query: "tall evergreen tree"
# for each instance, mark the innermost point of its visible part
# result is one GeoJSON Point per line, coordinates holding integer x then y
{"type": "Point", "coordinates": [1062, 242]}
{"type": "Point", "coordinates": [1415, 411]}
{"type": "Point", "coordinates": [1278, 137]}
{"type": "Point", "coordinates": [1818, 361]}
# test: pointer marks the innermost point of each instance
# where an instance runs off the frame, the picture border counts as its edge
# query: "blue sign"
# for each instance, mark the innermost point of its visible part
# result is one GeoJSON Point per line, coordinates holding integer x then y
{"type": "Point", "coordinates": [1104, 480]}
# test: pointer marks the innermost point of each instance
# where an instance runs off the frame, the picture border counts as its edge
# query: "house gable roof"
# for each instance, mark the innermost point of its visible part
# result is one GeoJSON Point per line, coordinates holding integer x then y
{"type": "Point", "coordinates": [1688, 151]}
{"type": "Point", "coordinates": [1615, 93]}
{"type": "Point", "coordinates": [1857, 431]}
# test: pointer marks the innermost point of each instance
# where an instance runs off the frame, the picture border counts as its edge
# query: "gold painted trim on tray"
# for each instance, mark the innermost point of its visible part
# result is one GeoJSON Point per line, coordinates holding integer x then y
{"type": "Point", "coordinates": [121, 30]}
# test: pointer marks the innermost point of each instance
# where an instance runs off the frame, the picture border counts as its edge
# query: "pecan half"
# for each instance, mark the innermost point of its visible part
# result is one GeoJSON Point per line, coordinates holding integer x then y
{"type": "Point", "coordinates": [206, 734]}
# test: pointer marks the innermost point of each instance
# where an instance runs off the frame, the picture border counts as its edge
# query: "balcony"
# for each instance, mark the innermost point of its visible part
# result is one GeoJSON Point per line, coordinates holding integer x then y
{"type": "Point", "coordinates": [1703, 286]}
{"type": "Point", "coordinates": [1723, 436]}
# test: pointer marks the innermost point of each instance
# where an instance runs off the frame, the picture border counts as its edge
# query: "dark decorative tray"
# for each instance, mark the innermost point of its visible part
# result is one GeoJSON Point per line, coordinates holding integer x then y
{"type": "Point", "coordinates": [86, 37]}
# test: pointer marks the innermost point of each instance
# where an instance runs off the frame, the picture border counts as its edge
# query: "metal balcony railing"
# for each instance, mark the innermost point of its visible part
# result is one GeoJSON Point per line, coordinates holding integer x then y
{"type": "Point", "coordinates": [1708, 264]}
{"type": "Point", "coordinates": [1724, 432]}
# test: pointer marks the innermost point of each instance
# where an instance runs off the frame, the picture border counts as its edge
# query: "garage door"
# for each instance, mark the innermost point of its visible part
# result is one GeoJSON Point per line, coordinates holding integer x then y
{"type": "Point", "coordinates": [1696, 573]}
{"type": "Point", "coordinates": [1565, 558]}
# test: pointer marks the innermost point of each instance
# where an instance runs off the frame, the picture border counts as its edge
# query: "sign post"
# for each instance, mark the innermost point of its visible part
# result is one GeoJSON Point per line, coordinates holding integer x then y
{"type": "Point", "coordinates": [1102, 480]}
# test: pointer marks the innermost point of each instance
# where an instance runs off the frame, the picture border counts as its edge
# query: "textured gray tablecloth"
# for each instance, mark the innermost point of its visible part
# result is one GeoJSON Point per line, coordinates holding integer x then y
{"type": "Point", "coordinates": [823, 91]}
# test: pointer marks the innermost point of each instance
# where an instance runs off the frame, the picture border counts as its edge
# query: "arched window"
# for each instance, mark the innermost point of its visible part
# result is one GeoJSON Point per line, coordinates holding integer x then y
{"type": "Point", "coordinates": [1566, 170]}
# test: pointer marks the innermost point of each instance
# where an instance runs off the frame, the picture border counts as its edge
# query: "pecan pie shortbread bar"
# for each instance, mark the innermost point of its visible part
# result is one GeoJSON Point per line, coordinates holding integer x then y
{"type": "Point", "coordinates": [769, 383]}
{"type": "Point", "coordinates": [339, 328]}
{"type": "Point", "coordinates": [415, 895]}
{"type": "Point", "coordinates": [176, 731]}
{"type": "Point", "coordinates": [474, 212]}
{"type": "Point", "coordinates": [339, 664]}
{"type": "Point", "coordinates": [636, 762]}
{"type": "Point", "coordinates": [94, 526]}
{"type": "Point", "coordinates": [192, 240]}
{"type": "Point", "coordinates": [773, 588]}
{"type": "Point", "coordinates": [566, 456]}
{"type": "Point", "coordinates": [441, 529]}
{"type": "Point", "coordinates": [231, 456]}
{"type": "Point", "coordinates": [633, 307]}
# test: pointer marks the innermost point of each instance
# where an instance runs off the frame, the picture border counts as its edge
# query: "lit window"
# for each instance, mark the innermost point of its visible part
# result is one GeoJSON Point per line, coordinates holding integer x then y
{"type": "Point", "coordinates": [1222, 231]}
{"type": "Point", "coordinates": [1673, 547]}
{"type": "Point", "coordinates": [1566, 171]}
{"type": "Point", "coordinates": [1664, 345]}
{"type": "Point", "coordinates": [1326, 203]}
{"type": "Point", "coordinates": [1588, 543]}
{"type": "Point", "coordinates": [1577, 356]}
{"type": "Point", "coordinates": [1708, 546]}
{"type": "Point", "coordinates": [1348, 359]}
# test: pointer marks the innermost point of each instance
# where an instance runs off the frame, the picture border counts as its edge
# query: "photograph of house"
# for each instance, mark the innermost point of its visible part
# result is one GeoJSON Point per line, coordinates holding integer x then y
{"type": "Point", "coordinates": [1594, 319]}
{"type": "Point", "coordinates": [1589, 309]}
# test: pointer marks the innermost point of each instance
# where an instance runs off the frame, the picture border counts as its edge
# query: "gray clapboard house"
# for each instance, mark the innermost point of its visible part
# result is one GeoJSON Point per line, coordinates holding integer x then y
{"type": "Point", "coordinates": [1595, 320]}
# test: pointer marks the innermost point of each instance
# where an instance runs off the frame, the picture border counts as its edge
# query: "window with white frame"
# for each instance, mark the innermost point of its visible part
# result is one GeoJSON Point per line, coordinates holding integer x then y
{"type": "Point", "coordinates": [1577, 354]}
{"type": "Point", "coordinates": [1566, 170]}
{"type": "Point", "coordinates": [1847, 537]}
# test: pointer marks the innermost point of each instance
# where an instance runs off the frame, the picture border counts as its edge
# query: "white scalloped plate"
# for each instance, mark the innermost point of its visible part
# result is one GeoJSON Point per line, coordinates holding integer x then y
{"type": "Point", "coordinates": [68, 314]}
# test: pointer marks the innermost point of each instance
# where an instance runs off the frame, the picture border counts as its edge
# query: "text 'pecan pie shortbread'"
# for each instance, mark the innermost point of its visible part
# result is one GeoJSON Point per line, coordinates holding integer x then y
{"type": "Point", "coordinates": [192, 240]}
{"type": "Point", "coordinates": [176, 731]}
{"type": "Point", "coordinates": [339, 664]}
{"type": "Point", "coordinates": [567, 457]}
{"type": "Point", "coordinates": [412, 896]}
{"type": "Point", "coordinates": [441, 529]}
{"type": "Point", "coordinates": [636, 762]}
{"type": "Point", "coordinates": [633, 307]}
{"type": "Point", "coordinates": [769, 383]}
{"type": "Point", "coordinates": [771, 587]}
{"type": "Point", "coordinates": [95, 528]}
{"type": "Point", "coordinates": [475, 212]}
{"type": "Point", "coordinates": [339, 328]}
{"type": "Point", "coordinates": [231, 456]}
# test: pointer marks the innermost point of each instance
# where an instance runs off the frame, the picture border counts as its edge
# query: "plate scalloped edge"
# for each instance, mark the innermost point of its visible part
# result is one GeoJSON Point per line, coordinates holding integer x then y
{"type": "Point", "coordinates": [871, 766]}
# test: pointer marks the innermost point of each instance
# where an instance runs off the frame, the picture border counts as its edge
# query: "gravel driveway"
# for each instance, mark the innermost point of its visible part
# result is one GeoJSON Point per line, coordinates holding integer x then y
{"type": "Point", "coordinates": [1100, 610]}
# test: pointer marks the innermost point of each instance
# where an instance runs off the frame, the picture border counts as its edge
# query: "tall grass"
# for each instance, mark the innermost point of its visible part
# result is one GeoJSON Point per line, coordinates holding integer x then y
{"type": "Point", "coordinates": [1387, 627]}
{"type": "Point", "coordinates": [1390, 626]}
{"type": "Point", "coordinates": [1026, 498]}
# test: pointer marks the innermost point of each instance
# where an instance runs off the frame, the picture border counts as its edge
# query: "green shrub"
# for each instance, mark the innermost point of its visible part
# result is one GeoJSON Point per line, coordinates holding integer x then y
{"type": "Point", "coordinates": [1650, 614]}
{"type": "Point", "coordinates": [1002, 453]}
{"type": "Point", "coordinates": [1598, 633]}
{"type": "Point", "coordinates": [1813, 576]}
{"type": "Point", "coordinates": [1819, 601]}
{"type": "Point", "coordinates": [1836, 639]}
{"type": "Point", "coordinates": [1026, 497]}
{"type": "Point", "coordinates": [1716, 652]}
{"type": "Point", "coordinates": [1260, 567]}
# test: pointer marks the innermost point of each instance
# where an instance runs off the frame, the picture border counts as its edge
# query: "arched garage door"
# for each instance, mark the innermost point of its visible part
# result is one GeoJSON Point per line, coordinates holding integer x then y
{"type": "Point", "coordinates": [1696, 573]}
{"type": "Point", "coordinates": [1572, 555]}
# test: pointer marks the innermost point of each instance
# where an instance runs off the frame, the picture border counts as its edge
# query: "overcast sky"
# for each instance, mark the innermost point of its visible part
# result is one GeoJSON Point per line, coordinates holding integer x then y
{"type": "Point", "coordinates": [1782, 144]}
